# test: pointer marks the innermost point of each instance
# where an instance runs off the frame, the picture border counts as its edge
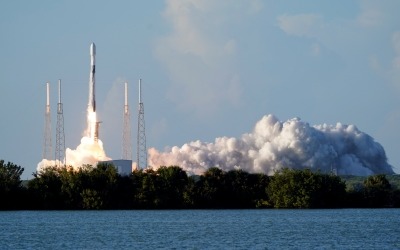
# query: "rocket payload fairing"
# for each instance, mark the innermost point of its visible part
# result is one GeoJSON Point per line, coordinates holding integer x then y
{"type": "Point", "coordinates": [92, 79]}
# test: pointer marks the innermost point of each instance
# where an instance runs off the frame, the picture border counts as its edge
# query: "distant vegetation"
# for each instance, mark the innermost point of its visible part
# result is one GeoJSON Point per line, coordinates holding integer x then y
{"type": "Point", "coordinates": [102, 187]}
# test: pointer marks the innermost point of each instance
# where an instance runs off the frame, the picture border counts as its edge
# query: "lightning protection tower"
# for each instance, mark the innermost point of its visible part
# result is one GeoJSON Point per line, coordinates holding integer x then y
{"type": "Point", "coordinates": [141, 135]}
{"type": "Point", "coordinates": [60, 136]}
{"type": "Point", "coordinates": [47, 127]}
{"type": "Point", "coordinates": [126, 134]}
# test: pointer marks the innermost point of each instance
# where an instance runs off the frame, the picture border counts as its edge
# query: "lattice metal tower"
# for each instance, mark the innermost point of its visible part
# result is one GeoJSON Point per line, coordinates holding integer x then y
{"type": "Point", "coordinates": [47, 127]}
{"type": "Point", "coordinates": [60, 136]}
{"type": "Point", "coordinates": [126, 134]}
{"type": "Point", "coordinates": [141, 135]}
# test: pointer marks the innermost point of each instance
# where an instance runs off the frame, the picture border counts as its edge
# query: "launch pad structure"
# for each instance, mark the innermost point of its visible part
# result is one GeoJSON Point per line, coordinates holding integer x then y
{"type": "Point", "coordinates": [60, 135]}
{"type": "Point", "coordinates": [141, 134]}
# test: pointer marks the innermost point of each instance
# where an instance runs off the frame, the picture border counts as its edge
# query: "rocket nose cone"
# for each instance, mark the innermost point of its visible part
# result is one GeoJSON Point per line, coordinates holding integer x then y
{"type": "Point", "coordinates": [92, 49]}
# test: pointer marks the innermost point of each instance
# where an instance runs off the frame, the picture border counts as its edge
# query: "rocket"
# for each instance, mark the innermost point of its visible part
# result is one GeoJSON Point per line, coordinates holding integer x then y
{"type": "Point", "coordinates": [92, 82]}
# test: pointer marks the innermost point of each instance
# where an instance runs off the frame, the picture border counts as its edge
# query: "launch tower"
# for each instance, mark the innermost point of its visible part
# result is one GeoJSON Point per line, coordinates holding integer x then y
{"type": "Point", "coordinates": [60, 136]}
{"type": "Point", "coordinates": [141, 135]}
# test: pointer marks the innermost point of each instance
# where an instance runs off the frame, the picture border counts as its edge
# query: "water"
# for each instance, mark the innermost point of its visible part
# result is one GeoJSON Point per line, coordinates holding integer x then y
{"type": "Point", "coordinates": [201, 229]}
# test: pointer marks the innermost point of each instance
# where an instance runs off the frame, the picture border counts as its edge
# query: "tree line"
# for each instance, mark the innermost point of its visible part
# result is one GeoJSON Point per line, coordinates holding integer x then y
{"type": "Point", "coordinates": [101, 187]}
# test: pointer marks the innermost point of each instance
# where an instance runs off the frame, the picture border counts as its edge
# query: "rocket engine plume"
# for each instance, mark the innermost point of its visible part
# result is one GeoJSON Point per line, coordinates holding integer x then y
{"type": "Point", "coordinates": [274, 145]}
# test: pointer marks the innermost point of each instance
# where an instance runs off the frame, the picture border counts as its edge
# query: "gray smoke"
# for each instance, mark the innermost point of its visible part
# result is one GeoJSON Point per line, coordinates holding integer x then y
{"type": "Point", "coordinates": [274, 145]}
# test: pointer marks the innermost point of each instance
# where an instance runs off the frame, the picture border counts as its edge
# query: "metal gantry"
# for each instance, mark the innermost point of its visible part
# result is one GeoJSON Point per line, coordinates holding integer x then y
{"type": "Point", "coordinates": [60, 135]}
{"type": "Point", "coordinates": [141, 134]}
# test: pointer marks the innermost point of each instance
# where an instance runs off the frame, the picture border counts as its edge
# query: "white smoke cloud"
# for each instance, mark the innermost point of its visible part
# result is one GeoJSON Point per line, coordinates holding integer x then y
{"type": "Point", "coordinates": [88, 152]}
{"type": "Point", "coordinates": [274, 145]}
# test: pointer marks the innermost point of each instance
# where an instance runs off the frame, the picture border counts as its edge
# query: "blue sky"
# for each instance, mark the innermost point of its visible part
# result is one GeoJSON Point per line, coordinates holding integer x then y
{"type": "Point", "coordinates": [209, 68]}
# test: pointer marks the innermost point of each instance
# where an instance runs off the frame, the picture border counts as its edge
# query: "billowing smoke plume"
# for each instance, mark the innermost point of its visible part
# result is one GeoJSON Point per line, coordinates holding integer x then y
{"type": "Point", "coordinates": [90, 151]}
{"type": "Point", "coordinates": [274, 145]}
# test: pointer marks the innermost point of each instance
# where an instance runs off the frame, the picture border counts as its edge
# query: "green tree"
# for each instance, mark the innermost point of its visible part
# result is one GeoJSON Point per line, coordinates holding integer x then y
{"type": "Point", "coordinates": [103, 179]}
{"type": "Point", "coordinates": [211, 189]}
{"type": "Point", "coordinates": [377, 191]}
{"type": "Point", "coordinates": [67, 188]}
{"type": "Point", "coordinates": [219, 189]}
{"type": "Point", "coordinates": [238, 189]}
{"type": "Point", "coordinates": [124, 194]}
{"type": "Point", "coordinates": [244, 190]}
{"type": "Point", "coordinates": [172, 182]}
{"type": "Point", "coordinates": [10, 185]}
{"type": "Point", "coordinates": [332, 192]}
{"type": "Point", "coordinates": [91, 199]}
{"type": "Point", "coordinates": [45, 189]}
{"type": "Point", "coordinates": [287, 189]}
{"type": "Point", "coordinates": [190, 193]}
{"type": "Point", "coordinates": [146, 195]}
{"type": "Point", "coordinates": [72, 185]}
{"type": "Point", "coordinates": [292, 188]}
{"type": "Point", "coordinates": [259, 187]}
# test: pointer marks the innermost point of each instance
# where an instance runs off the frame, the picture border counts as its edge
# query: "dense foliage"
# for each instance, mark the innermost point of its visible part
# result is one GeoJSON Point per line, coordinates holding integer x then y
{"type": "Point", "coordinates": [305, 189]}
{"type": "Point", "coordinates": [102, 187]}
{"type": "Point", "coordinates": [10, 185]}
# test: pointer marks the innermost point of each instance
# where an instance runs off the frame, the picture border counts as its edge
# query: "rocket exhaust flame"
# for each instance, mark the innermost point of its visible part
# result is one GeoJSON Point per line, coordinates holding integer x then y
{"type": "Point", "coordinates": [91, 123]}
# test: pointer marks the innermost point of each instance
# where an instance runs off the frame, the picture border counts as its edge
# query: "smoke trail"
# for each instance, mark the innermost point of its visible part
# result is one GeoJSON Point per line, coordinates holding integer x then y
{"type": "Point", "coordinates": [274, 145]}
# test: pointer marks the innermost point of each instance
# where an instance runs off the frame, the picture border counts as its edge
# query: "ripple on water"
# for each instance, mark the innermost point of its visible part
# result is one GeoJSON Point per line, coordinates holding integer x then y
{"type": "Point", "coordinates": [201, 229]}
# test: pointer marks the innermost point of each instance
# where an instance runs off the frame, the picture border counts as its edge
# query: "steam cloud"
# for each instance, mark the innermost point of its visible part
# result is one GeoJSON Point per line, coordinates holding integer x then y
{"type": "Point", "coordinates": [274, 145]}
{"type": "Point", "coordinates": [88, 152]}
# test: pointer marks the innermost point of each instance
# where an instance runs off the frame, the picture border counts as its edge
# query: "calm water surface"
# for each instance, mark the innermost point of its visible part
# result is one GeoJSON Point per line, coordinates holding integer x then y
{"type": "Point", "coordinates": [202, 229]}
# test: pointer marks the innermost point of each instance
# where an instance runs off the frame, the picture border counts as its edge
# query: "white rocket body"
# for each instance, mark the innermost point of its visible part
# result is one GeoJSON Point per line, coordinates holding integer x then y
{"type": "Point", "coordinates": [92, 79]}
